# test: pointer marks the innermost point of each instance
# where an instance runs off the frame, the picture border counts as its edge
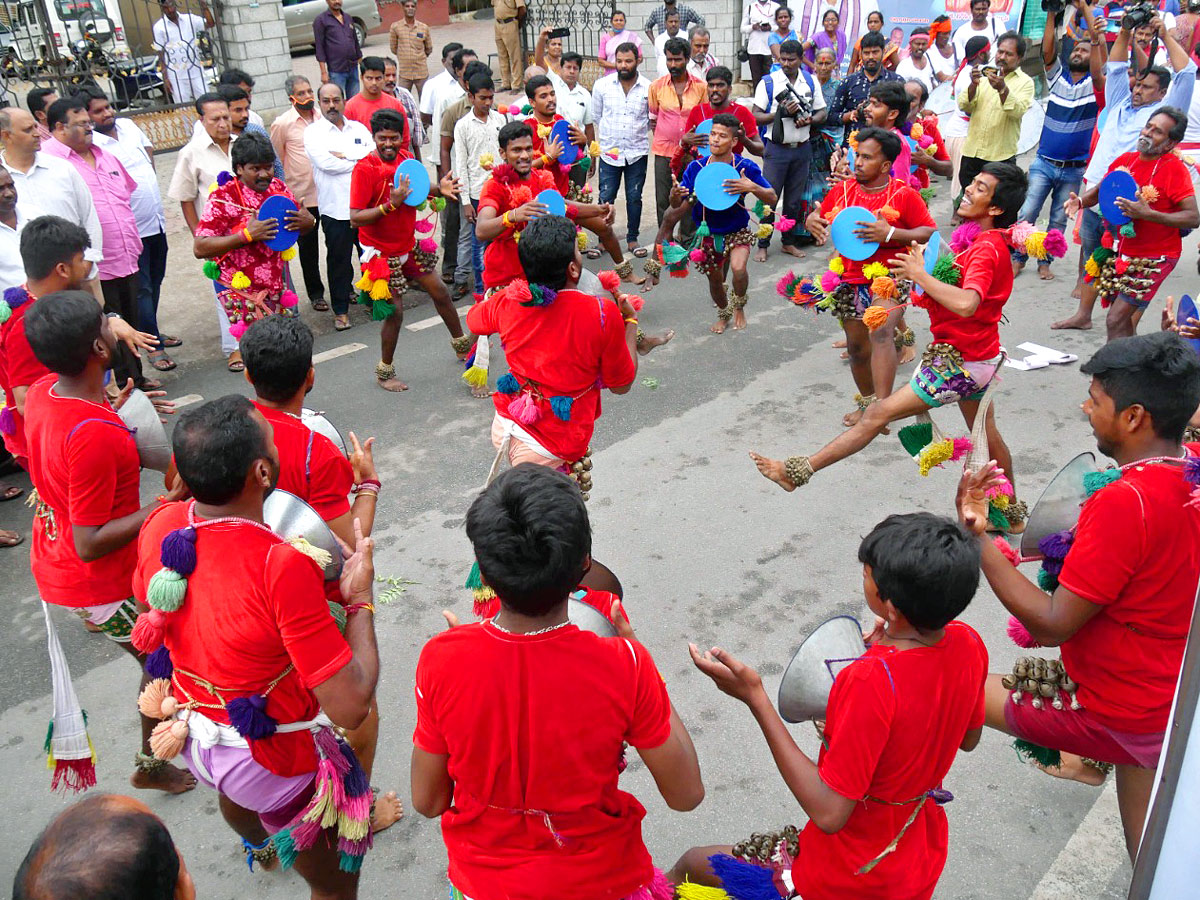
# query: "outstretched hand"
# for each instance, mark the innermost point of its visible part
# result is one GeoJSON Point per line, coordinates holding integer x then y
{"type": "Point", "coordinates": [971, 500]}
{"type": "Point", "coordinates": [362, 459]}
{"type": "Point", "coordinates": [358, 573]}
{"type": "Point", "coordinates": [732, 677]}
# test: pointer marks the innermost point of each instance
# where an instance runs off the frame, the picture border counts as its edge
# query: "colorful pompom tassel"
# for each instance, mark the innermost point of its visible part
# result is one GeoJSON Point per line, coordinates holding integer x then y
{"type": "Point", "coordinates": [561, 407]}
{"type": "Point", "coordinates": [150, 701]}
{"type": "Point", "coordinates": [916, 437]}
{"type": "Point", "coordinates": [507, 383]}
{"type": "Point", "coordinates": [784, 224]}
{"type": "Point", "coordinates": [830, 281]}
{"type": "Point", "coordinates": [380, 290]}
{"type": "Point", "coordinates": [289, 254]}
{"type": "Point", "coordinates": [158, 664]}
{"type": "Point", "coordinates": [1006, 549]}
{"type": "Point", "coordinates": [1027, 751]}
{"type": "Point", "coordinates": [524, 410]}
{"type": "Point", "coordinates": [236, 330]}
{"type": "Point", "coordinates": [874, 270]}
{"type": "Point", "coordinates": [946, 270]}
{"type": "Point", "coordinates": [381, 309]}
{"type": "Point", "coordinates": [697, 255]}
{"type": "Point", "coordinates": [837, 265]}
{"type": "Point", "coordinates": [874, 317]}
{"type": "Point", "coordinates": [1020, 634]}
{"type": "Point", "coordinates": [476, 374]}
{"type": "Point", "coordinates": [249, 716]}
{"type": "Point", "coordinates": [703, 231]}
{"type": "Point", "coordinates": [1094, 481]}
{"type": "Point", "coordinates": [289, 300]}
{"type": "Point", "coordinates": [934, 455]}
{"type": "Point", "coordinates": [166, 590]}
{"type": "Point", "coordinates": [148, 631]}
{"type": "Point", "coordinates": [690, 891]}
{"type": "Point", "coordinates": [423, 226]}
{"type": "Point", "coordinates": [610, 280]}
{"type": "Point", "coordinates": [239, 281]}
{"type": "Point", "coordinates": [211, 270]}
{"type": "Point", "coordinates": [168, 738]}
{"type": "Point", "coordinates": [962, 446]}
{"type": "Point", "coordinates": [744, 880]}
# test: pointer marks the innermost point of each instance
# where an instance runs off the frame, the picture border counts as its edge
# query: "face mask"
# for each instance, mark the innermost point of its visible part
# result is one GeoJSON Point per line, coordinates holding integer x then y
{"type": "Point", "coordinates": [306, 105]}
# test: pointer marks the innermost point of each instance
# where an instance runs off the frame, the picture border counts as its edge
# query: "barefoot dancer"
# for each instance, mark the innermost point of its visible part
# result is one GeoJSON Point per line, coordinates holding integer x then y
{"type": "Point", "coordinates": [259, 672]}
{"type": "Point", "coordinates": [278, 356]}
{"type": "Point", "coordinates": [84, 465]}
{"type": "Point", "coordinates": [386, 229]}
{"type": "Point", "coordinates": [1121, 604]}
{"type": "Point", "coordinates": [965, 352]}
{"type": "Point", "coordinates": [727, 246]}
{"type": "Point", "coordinates": [902, 218]}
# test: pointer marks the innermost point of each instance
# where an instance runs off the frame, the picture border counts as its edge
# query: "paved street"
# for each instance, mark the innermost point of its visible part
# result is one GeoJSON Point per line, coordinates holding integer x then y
{"type": "Point", "coordinates": [707, 549]}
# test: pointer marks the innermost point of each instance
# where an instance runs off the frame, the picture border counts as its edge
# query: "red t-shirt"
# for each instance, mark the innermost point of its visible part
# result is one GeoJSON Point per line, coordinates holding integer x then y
{"type": "Point", "coordinates": [908, 204]}
{"type": "Point", "coordinates": [528, 753]}
{"type": "Point", "coordinates": [360, 109]}
{"type": "Point", "coordinates": [557, 172]}
{"type": "Point", "coordinates": [921, 173]}
{"type": "Point", "coordinates": [1137, 555]}
{"type": "Point", "coordinates": [1171, 179]}
{"type": "Point", "coordinates": [84, 464]}
{"type": "Point", "coordinates": [370, 186]}
{"type": "Point", "coordinates": [702, 112]}
{"type": "Point", "coordinates": [573, 347]}
{"type": "Point", "coordinates": [310, 465]}
{"type": "Point", "coordinates": [500, 261]}
{"type": "Point", "coordinates": [254, 606]}
{"type": "Point", "coordinates": [18, 368]}
{"type": "Point", "coordinates": [895, 722]}
{"type": "Point", "coordinates": [986, 269]}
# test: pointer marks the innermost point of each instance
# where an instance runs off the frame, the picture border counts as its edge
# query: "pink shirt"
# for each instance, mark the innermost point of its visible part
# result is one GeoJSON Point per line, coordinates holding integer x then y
{"type": "Point", "coordinates": [111, 187]}
{"type": "Point", "coordinates": [609, 43]}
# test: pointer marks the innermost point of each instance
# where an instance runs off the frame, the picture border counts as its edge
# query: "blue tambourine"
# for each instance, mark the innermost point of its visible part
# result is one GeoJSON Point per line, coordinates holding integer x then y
{"type": "Point", "coordinates": [277, 207]}
{"type": "Point", "coordinates": [704, 127]}
{"type": "Point", "coordinates": [418, 181]}
{"type": "Point", "coordinates": [1113, 187]}
{"type": "Point", "coordinates": [1184, 311]}
{"type": "Point", "coordinates": [845, 241]}
{"type": "Point", "coordinates": [562, 131]}
{"type": "Point", "coordinates": [710, 186]}
{"type": "Point", "coordinates": [933, 251]}
{"type": "Point", "coordinates": [553, 201]}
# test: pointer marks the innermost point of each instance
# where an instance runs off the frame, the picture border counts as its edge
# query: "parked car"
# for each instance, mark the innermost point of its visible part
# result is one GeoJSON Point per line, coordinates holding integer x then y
{"type": "Point", "coordinates": [299, 15]}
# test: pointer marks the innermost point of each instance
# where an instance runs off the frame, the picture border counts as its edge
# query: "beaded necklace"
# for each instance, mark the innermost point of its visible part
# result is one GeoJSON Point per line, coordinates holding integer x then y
{"type": "Point", "coordinates": [545, 630]}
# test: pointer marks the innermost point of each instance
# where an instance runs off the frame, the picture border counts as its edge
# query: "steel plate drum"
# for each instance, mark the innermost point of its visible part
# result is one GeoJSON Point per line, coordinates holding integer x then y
{"type": "Point", "coordinates": [321, 425]}
{"type": "Point", "coordinates": [1057, 509]}
{"type": "Point", "coordinates": [140, 417]}
{"type": "Point", "coordinates": [804, 690]}
{"type": "Point", "coordinates": [586, 617]}
{"type": "Point", "coordinates": [290, 517]}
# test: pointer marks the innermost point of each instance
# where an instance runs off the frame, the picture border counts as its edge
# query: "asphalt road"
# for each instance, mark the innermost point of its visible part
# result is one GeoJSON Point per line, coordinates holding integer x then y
{"type": "Point", "coordinates": [707, 549]}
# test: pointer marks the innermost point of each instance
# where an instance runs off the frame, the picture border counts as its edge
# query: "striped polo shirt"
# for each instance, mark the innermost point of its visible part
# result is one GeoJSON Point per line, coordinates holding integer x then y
{"type": "Point", "coordinates": [1070, 116]}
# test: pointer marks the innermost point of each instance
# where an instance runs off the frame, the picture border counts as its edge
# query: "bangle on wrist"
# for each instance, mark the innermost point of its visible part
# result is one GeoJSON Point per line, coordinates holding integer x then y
{"type": "Point", "coordinates": [891, 231]}
{"type": "Point", "coordinates": [631, 320]}
{"type": "Point", "coordinates": [360, 607]}
{"type": "Point", "coordinates": [246, 235]}
{"type": "Point", "coordinates": [506, 222]}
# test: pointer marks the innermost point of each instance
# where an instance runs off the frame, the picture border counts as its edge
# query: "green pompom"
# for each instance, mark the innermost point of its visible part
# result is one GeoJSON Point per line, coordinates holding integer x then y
{"type": "Point", "coordinates": [702, 230]}
{"type": "Point", "coordinates": [584, 164]}
{"type": "Point", "coordinates": [1127, 230]}
{"type": "Point", "coordinates": [5, 312]}
{"type": "Point", "coordinates": [474, 578]}
{"type": "Point", "coordinates": [422, 206]}
{"type": "Point", "coordinates": [211, 270]}
{"type": "Point", "coordinates": [946, 270]}
{"type": "Point", "coordinates": [760, 209]}
{"type": "Point", "coordinates": [916, 437]}
{"type": "Point", "coordinates": [673, 253]}
{"type": "Point", "coordinates": [166, 590]}
{"type": "Point", "coordinates": [380, 310]}
{"type": "Point", "coordinates": [285, 847]}
{"type": "Point", "coordinates": [526, 110]}
{"type": "Point", "coordinates": [1101, 255]}
{"type": "Point", "coordinates": [439, 203]}
{"type": "Point", "coordinates": [1031, 752]}
{"type": "Point", "coordinates": [927, 194]}
{"type": "Point", "coordinates": [1046, 581]}
{"type": "Point", "coordinates": [339, 615]}
{"type": "Point", "coordinates": [364, 298]}
{"type": "Point", "coordinates": [996, 517]}
{"type": "Point", "coordinates": [1093, 481]}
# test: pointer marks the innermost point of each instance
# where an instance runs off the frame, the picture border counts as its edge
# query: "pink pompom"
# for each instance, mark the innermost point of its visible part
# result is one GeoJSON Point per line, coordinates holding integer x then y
{"type": "Point", "coordinates": [1003, 487]}
{"type": "Point", "coordinates": [287, 299]}
{"type": "Point", "coordinates": [1006, 549]}
{"type": "Point", "coordinates": [924, 141]}
{"type": "Point", "coordinates": [696, 256]}
{"type": "Point", "coordinates": [514, 110]}
{"type": "Point", "coordinates": [785, 224]}
{"type": "Point", "coordinates": [1055, 243]}
{"type": "Point", "coordinates": [237, 329]}
{"type": "Point", "coordinates": [424, 226]}
{"type": "Point", "coordinates": [1020, 234]}
{"type": "Point", "coordinates": [962, 446]}
{"type": "Point", "coordinates": [635, 301]}
{"type": "Point", "coordinates": [609, 280]}
{"type": "Point", "coordinates": [964, 235]}
{"type": "Point", "coordinates": [148, 631]}
{"type": "Point", "coordinates": [830, 280]}
{"type": "Point", "coordinates": [524, 410]}
{"type": "Point", "coordinates": [427, 245]}
{"type": "Point", "coordinates": [783, 287]}
{"type": "Point", "coordinates": [1020, 634]}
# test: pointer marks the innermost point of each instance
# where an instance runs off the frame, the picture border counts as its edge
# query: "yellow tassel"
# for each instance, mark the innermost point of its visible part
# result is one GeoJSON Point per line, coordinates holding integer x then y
{"type": "Point", "coordinates": [475, 376]}
{"type": "Point", "coordinates": [1091, 267]}
{"type": "Point", "coordinates": [239, 281]}
{"type": "Point", "coordinates": [874, 270]}
{"type": "Point", "coordinates": [689, 891]}
{"type": "Point", "coordinates": [581, 240]}
{"type": "Point", "coordinates": [487, 160]}
{"type": "Point", "coordinates": [544, 131]}
{"type": "Point", "coordinates": [212, 187]}
{"type": "Point", "coordinates": [935, 454]}
{"type": "Point", "coordinates": [321, 557]}
{"type": "Point", "coordinates": [483, 594]}
{"type": "Point", "coordinates": [352, 829]}
{"type": "Point", "coordinates": [764, 230]}
{"type": "Point", "coordinates": [836, 265]}
{"type": "Point", "coordinates": [1001, 501]}
{"type": "Point", "coordinates": [289, 254]}
{"type": "Point", "coordinates": [594, 148]}
{"type": "Point", "coordinates": [364, 283]}
{"type": "Point", "coordinates": [1035, 245]}
{"type": "Point", "coordinates": [380, 290]}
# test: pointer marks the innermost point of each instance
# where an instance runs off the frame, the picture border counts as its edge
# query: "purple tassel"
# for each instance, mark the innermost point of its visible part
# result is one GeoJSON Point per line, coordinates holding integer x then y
{"type": "Point", "coordinates": [16, 297]}
{"type": "Point", "coordinates": [355, 848]}
{"type": "Point", "coordinates": [1056, 546]}
{"type": "Point", "coordinates": [940, 796]}
{"type": "Point", "coordinates": [249, 716]}
{"type": "Point", "coordinates": [1191, 470]}
{"type": "Point", "coordinates": [158, 664]}
{"type": "Point", "coordinates": [8, 425]}
{"type": "Point", "coordinates": [179, 550]}
{"type": "Point", "coordinates": [354, 782]}
{"type": "Point", "coordinates": [1052, 566]}
{"type": "Point", "coordinates": [223, 178]}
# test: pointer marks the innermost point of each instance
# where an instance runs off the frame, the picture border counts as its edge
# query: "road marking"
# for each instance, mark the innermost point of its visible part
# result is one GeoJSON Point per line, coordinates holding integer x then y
{"type": "Point", "coordinates": [434, 320]}
{"type": "Point", "coordinates": [187, 400]}
{"type": "Point", "coordinates": [1091, 857]}
{"type": "Point", "coordinates": [343, 350]}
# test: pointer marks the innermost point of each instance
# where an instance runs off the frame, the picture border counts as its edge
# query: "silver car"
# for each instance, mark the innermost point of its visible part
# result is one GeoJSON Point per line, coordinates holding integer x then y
{"type": "Point", "coordinates": [299, 15]}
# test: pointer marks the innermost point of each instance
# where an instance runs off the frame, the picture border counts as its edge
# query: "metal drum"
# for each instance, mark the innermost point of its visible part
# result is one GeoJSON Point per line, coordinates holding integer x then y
{"type": "Point", "coordinates": [321, 425]}
{"type": "Point", "coordinates": [586, 617]}
{"type": "Point", "coordinates": [1057, 509]}
{"type": "Point", "coordinates": [290, 517]}
{"type": "Point", "coordinates": [140, 417]}
{"type": "Point", "coordinates": [804, 690]}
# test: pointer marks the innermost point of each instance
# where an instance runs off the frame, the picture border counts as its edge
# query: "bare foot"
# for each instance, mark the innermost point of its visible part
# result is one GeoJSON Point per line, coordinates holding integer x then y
{"type": "Point", "coordinates": [170, 779]}
{"type": "Point", "coordinates": [1077, 294]}
{"type": "Point", "coordinates": [395, 385]}
{"type": "Point", "coordinates": [850, 419]}
{"type": "Point", "coordinates": [639, 280]}
{"type": "Point", "coordinates": [651, 281]}
{"type": "Point", "coordinates": [1017, 267]}
{"type": "Point", "coordinates": [773, 469]}
{"type": "Point", "coordinates": [1078, 321]}
{"type": "Point", "coordinates": [719, 326]}
{"type": "Point", "coordinates": [760, 255]}
{"type": "Point", "coordinates": [481, 391]}
{"type": "Point", "coordinates": [387, 812]}
{"type": "Point", "coordinates": [845, 354]}
{"type": "Point", "coordinates": [650, 341]}
{"type": "Point", "coordinates": [739, 320]}
{"type": "Point", "coordinates": [907, 354]}
{"type": "Point", "coordinates": [1045, 274]}
{"type": "Point", "coordinates": [1073, 768]}
{"type": "Point", "coordinates": [793, 251]}
{"type": "Point", "coordinates": [839, 345]}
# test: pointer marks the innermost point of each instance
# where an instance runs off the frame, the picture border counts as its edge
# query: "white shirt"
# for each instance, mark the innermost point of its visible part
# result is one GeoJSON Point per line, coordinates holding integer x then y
{"type": "Point", "coordinates": [700, 69]}
{"type": "Point", "coordinates": [12, 270]}
{"type": "Point", "coordinates": [574, 104]}
{"type": "Point", "coordinates": [942, 65]}
{"type": "Point", "coordinates": [908, 70]}
{"type": "Point", "coordinates": [955, 124]}
{"type": "Point", "coordinates": [622, 120]}
{"type": "Point", "coordinates": [332, 175]}
{"type": "Point", "coordinates": [255, 119]}
{"type": "Point", "coordinates": [792, 134]}
{"type": "Point", "coordinates": [429, 92]}
{"type": "Point", "coordinates": [757, 13]}
{"type": "Point", "coordinates": [129, 146]}
{"type": "Point", "coordinates": [196, 170]}
{"type": "Point", "coordinates": [446, 95]}
{"type": "Point", "coordinates": [995, 27]}
{"type": "Point", "coordinates": [177, 41]}
{"type": "Point", "coordinates": [472, 139]}
{"type": "Point", "coordinates": [661, 39]}
{"type": "Point", "coordinates": [58, 190]}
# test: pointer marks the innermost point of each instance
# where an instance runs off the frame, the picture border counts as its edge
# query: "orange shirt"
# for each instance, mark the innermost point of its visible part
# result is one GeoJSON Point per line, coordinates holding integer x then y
{"type": "Point", "coordinates": [670, 111]}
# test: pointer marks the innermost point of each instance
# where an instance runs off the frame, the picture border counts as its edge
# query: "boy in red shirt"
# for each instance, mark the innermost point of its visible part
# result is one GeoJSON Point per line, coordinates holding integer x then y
{"type": "Point", "coordinates": [84, 464]}
{"type": "Point", "coordinates": [964, 318]}
{"type": "Point", "coordinates": [257, 667]}
{"type": "Point", "coordinates": [719, 79]}
{"type": "Point", "coordinates": [521, 720]}
{"type": "Point", "coordinates": [372, 97]}
{"type": "Point", "coordinates": [1123, 600]}
{"type": "Point", "coordinates": [1148, 247]}
{"type": "Point", "coordinates": [386, 229]}
{"type": "Point", "coordinates": [895, 720]}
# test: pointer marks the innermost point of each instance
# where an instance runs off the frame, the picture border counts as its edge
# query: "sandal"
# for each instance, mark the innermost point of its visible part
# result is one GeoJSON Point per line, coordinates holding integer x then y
{"type": "Point", "coordinates": [150, 384]}
{"type": "Point", "coordinates": [342, 323]}
{"type": "Point", "coordinates": [169, 340]}
{"type": "Point", "coordinates": [10, 492]}
{"type": "Point", "coordinates": [234, 363]}
{"type": "Point", "coordinates": [640, 252]}
{"type": "Point", "coordinates": [10, 538]}
{"type": "Point", "coordinates": [592, 253]}
{"type": "Point", "coordinates": [161, 361]}
{"type": "Point", "coordinates": [320, 305]}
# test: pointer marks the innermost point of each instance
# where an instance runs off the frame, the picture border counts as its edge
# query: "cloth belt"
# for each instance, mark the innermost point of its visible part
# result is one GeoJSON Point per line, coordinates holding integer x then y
{"type": "Point", "coordinates": [206, 734]}
{"type": "Point", "coordinates": [1065, 163]}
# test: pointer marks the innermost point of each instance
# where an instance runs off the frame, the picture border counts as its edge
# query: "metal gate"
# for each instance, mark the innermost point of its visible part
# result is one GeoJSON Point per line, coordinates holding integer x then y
{"type": "Point", "coordinates": [587, 20]}
{"type": "Point", "coordinates": [115, 45]}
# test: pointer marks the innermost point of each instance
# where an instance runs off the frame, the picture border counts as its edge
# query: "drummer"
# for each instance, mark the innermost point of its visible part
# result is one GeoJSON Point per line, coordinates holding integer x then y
{"type": "Point", "coordinates": [250, 275]}
{"type": "Point", "coordinates": [278, 355]}
{"type": "Point", "coordinates": [1122, 604]}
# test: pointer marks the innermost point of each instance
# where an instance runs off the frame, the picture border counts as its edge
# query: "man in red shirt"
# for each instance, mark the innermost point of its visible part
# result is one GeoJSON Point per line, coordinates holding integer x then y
{"type": "Point", "coordinates": [1148, 247]}
{"type": "Point", "coordinates": [259, 670]}
{"type": "Point", "coordinates": [522, 719]}
{"type": "Point", "coordinates": [386, 230]}
{"type": "Point", "coordinates": [1122, 600]}
{"type": "Point", "coordinates": [896, 718]}
{"type": "Point", "coordinates": [372, 97]}
{"type": "Point", "coordinates": [719, 80]}
{"type": "Point", "coordinates": [84, 464]}
{"type": "Point", "coordinates": [930, 155]}
{"type": "Point", "coordinates": [964, 318]}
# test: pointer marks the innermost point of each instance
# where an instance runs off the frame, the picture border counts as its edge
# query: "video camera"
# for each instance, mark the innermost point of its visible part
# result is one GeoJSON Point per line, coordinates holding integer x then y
{"type": "Point", "coordinates": [1138, 14]}
{"type": "Point", "coordinates": [804, 111]}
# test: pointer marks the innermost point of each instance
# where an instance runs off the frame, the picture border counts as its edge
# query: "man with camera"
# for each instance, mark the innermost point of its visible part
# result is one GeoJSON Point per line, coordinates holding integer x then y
{"type": "Point", "coordinates": [996, 100]}
{"type": "Point", "coordinates": [1130, 104]}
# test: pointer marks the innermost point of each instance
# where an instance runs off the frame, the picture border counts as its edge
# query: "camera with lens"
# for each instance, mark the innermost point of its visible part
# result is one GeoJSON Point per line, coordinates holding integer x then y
{"type": "Point", "coordinates": [1193, 6]}
{"type": "Point", "coordinates": [1138, 14]}
{"type": "Point", "coordinates": [1054, 6]}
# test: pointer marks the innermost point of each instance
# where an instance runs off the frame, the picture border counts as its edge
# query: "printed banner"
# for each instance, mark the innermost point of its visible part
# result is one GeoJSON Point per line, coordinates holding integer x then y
{"type": "Point", "coordinates": [899, 16]}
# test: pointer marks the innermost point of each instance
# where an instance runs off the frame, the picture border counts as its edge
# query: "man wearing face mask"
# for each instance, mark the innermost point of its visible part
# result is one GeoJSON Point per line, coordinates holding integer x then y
{"type": "Point", "coordinates": [672, 99]}
{"type": "Point", "coordinates": [287, 137]}
{"type": "Point", "coordinates": [855, 89]}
